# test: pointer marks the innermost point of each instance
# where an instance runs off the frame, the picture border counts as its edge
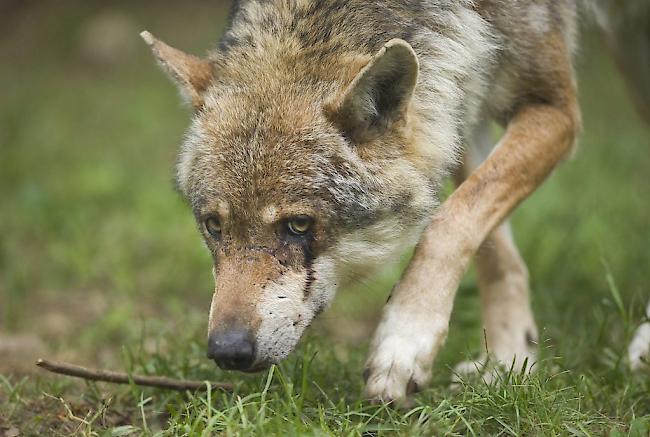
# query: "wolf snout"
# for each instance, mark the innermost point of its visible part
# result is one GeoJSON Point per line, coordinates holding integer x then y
{"type": "Point", "coordinates": [232, 350]}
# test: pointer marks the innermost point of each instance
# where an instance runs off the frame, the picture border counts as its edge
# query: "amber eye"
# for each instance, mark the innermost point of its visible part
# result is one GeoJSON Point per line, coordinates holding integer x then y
{"type": "Point", "coordinates": [213, 226]}
{"type": "Point", "coordinates": [299, 226]}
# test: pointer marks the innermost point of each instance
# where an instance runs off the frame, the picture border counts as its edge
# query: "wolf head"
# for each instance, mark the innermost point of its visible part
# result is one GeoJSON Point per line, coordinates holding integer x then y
{"type": "Point", "coordinates": [301, 173]}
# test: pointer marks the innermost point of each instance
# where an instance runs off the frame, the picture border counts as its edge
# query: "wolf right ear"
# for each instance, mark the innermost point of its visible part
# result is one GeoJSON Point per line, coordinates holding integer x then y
{"type": "Point", "coordinates": [379, 94]}
{"type": "Point", "coordinates": [192, 74]}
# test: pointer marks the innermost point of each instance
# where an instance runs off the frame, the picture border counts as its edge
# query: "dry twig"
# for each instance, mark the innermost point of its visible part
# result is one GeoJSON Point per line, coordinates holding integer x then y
{"type": "Point", "coordinates": [124, 378]}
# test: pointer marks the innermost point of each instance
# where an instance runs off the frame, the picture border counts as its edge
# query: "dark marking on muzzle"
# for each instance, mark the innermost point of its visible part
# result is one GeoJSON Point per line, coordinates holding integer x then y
{"type": "Point", "coordinates": [309, 281]}
{"type": "Point", "coordinates": [308, 264]}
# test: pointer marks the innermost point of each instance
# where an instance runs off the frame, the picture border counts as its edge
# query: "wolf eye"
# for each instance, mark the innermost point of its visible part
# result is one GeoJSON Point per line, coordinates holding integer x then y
{"type": "Point", "coordinates": [299, 226]}
{"type": "Point", "coordinates": [213, 226]}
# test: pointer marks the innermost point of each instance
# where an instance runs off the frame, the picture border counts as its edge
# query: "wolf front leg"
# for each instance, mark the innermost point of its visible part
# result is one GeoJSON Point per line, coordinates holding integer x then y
{"type": "Point", "coordinates": [416, 318]}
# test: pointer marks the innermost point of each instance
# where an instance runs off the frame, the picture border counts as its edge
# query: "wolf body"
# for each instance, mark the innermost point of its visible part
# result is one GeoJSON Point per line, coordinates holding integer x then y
{"type": "Point", "coordinates": [321, 133]}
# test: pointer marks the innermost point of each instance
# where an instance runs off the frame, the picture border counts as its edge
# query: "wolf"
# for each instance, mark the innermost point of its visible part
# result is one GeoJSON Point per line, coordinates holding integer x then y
{"type": "Point", "coordinates": [321, 133]}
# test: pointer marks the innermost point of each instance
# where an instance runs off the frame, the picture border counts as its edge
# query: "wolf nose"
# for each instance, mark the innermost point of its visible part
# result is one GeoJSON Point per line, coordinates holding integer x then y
{"type": "Point", "coordinates": [232, 350]}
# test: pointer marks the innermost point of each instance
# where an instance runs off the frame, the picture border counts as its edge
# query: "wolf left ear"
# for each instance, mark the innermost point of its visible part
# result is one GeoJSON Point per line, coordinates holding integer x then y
{"type": "Point", "coordinates": [379, 94]}
{"type": "Point", "coordinates": [192, 74]}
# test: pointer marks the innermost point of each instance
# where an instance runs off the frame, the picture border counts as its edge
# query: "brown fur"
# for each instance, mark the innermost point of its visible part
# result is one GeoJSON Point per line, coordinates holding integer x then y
{"type": "Point", "coordinates": [351, 113]}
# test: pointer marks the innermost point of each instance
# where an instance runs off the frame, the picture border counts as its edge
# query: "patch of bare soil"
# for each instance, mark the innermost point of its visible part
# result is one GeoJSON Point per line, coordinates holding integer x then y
{"type": "Point", "coordinates": [50, 326]}
{"type": "Point", "coordinates": [48, 321]}
{"type": "Point", "coordinates": [48, 415]}
{"type": "Point", "coordinates": [18, 352]}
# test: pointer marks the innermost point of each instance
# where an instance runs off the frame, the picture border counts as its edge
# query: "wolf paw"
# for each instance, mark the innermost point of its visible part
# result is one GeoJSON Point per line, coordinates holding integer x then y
{"type": "Point", "coordinates": [511, 349]}
{"type": "Point", "coordinates": [492, 368]}
{"type": "Point", "coordinates": [639, 348]}
{"type": "Point", "coordinates": [393, 374]}
{"type": "Point", "coordinates": [400, 361]}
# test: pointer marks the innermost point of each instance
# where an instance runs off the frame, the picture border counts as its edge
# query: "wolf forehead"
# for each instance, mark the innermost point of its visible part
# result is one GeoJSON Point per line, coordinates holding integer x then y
{"type": "Point", "coordinates": [251, 152]}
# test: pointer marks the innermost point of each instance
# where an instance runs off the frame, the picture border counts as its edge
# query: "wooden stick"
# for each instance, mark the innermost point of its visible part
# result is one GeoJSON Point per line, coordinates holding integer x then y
{"type": "Point", "coordinates": [124, 378]}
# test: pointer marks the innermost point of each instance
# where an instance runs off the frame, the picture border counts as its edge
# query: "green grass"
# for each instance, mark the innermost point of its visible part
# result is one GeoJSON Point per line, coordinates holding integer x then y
{"type": "Point", "coordinates": [100, 262]}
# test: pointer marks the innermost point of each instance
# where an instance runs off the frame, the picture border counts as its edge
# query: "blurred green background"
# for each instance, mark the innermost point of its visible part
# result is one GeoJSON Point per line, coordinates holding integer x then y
{"type": "Point", "coordinates": [97, 250]}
